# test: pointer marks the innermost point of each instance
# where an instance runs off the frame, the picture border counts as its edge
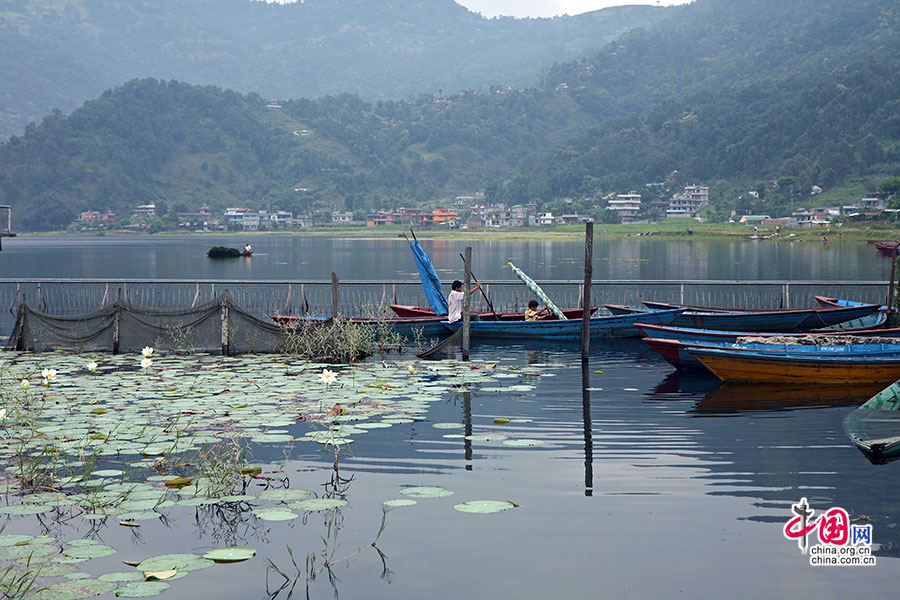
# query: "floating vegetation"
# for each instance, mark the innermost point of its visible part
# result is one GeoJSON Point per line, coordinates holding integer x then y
{"type": "Point", "coordinates": [230, 555]}
{"type": "Point", "coordinates": [483, 507]}
{"type": "Point", "coordinates": [121, 443]}
{"type": "Point", "coordinates": [426, 492]}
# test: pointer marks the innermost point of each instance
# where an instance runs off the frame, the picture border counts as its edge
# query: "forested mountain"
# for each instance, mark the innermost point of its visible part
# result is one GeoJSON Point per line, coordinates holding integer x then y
{"type": "Point", "coordinates": [59, 53]}
{"type": "Point", "coordinates": [730, 94]}
{"type": "Point", "coordinates": [737, 91]}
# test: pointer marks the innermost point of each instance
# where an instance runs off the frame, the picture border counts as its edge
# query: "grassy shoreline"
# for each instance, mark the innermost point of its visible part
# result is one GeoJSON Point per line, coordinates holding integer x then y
{"type": "Point", "coordinates": [665, 230]}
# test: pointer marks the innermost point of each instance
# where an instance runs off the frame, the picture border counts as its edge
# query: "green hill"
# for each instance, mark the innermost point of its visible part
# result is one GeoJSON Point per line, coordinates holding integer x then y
{"type": "Point", "coordinates": [760, 95]}
{"type": "Point", "coordinates": [59, 53]}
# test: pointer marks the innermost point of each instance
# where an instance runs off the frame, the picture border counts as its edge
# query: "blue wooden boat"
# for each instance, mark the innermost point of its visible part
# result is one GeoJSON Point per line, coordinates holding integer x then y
{"type": "Point", "coordinates": [744, 366]}
{"type": "Point", "coordinates": [678, 353]}
{"type": "Point", "coordinates": [689, 334]}
{"type": "Point", "coordinates": [617, 326]}
{"type": "Point", "coordinates": [785, 321]}
{"type": "Point", "coordinates": [874, 428]}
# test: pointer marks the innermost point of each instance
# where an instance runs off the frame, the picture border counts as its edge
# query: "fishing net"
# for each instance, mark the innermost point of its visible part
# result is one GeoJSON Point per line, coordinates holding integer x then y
{"type": "Point", "coordinates": [217, 326]}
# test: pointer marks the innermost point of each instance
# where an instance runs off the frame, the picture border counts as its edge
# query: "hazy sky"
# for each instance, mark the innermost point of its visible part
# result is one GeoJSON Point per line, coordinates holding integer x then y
{"type": "Point", "coordinates": [548, 8]}
{"type": "Point", "coordinates": [540, 8]}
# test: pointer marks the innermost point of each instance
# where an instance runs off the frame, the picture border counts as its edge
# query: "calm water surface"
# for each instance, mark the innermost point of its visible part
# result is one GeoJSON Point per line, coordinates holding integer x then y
{"type": "Point", "coordinates": [651, 485]}
{"type": "Point", "coordinates": [314, 258]}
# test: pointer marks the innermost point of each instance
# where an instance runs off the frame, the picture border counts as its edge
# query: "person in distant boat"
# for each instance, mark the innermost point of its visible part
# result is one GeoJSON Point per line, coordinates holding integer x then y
{"type": "Point", "coordinates": [455, 300]}
{"type": "Point", "coordinates": [532, 313]}
{"type": "Point", "coordinates": [247, 248]}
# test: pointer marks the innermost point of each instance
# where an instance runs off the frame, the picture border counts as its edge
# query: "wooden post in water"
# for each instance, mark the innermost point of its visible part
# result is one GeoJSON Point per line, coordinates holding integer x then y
{"type": "Point", "coordinates": [890, 299]}
{"type": "Point", "coordinates": [467, 285]}
{"type": "Point", "coordinates": [586, 294]}
{"type": "Point", "coordinates": [117, 309]}
{"type": "Point", "coordinates": [335, 297]}
{"type": "Point", "coordinates": [225, 324]}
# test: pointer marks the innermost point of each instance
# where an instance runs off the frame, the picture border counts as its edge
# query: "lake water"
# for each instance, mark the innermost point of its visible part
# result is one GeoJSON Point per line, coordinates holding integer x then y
{"type": "Point", "coordinates": [652, 484]}
{"type": "Point", "coordinates": [307, 258]}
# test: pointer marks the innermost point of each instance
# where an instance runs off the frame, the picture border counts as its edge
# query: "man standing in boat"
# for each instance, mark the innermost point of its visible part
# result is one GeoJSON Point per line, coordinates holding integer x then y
{"type": "Point", "coordinates": [455, 300]}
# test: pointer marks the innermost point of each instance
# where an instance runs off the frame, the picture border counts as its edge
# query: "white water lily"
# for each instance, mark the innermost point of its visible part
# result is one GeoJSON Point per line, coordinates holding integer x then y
{"type": "Point", "coordinates": [328, 377]}
{"type": "Point", "coordinates": [49, 375]}
{"type": "Point", "coordinates": [91, 366]}
{"type": "Point", "coordinates": [147, 351]}
{"type": "Point", "coordinates": [146, 363]}
{"type": "Point", "coordinates": [25, 385]}
{"type": "Point", "coordinates": [2, 413]}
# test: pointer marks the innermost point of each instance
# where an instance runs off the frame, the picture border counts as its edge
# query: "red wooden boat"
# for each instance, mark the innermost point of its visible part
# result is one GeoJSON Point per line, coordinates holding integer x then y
{"type": "Point", "coordinates": [887, 248]}
{"type": "Point", "coordinates": [405, 311]}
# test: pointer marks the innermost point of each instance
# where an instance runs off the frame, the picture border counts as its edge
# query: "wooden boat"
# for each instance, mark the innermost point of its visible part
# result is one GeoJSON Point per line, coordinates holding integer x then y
{"type": "Point", "coordinates": [615, 326]}
{"type": "Point", "coordinates": [787, 321]}
{"type": "Point", "coordinates": [678, 353]}
{"type": "Point", "coordinates": [874, 428]}
{"type": "Point", "coordinates": [887, 248]}
{"type": "Point", "coordinates": [405, 311]}
{"type": "Point", "coordinates": [828, 302]}
{"type": "Point", "coordinates": [687, 334]}
{"type": "Point", "coordinates": [426, 326]}
{"type": "Point", "coordinates": [751, 367]}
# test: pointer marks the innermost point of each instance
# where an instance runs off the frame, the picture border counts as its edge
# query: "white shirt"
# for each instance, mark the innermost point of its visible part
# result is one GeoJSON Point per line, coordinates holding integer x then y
{"type": "Point", "coordinates": [454, 304]}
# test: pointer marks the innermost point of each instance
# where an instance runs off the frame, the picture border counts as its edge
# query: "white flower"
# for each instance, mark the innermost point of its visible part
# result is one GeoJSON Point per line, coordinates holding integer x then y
{"type": "Point", "coordinates": [2, 413]}
{"type": "Point", "coordinates": [49, 375]}
{"type": "Point", "coordinates": [91, 366]}
{"type": "Point", "coordinates": [146, 362]}
{"type": "Point", "coordinates": [411, 369]}
{"type": "Point", "coordinates": [25, 384]}
{"type": "Point", "coordinates": [147, 351]}
{"type": "Point", "coordinates": [328, 377]}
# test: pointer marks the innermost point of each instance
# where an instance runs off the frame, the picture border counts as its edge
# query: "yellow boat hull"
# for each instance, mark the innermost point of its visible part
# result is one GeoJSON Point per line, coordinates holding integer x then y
{"type": "Point", "coordinates": [752, 369]}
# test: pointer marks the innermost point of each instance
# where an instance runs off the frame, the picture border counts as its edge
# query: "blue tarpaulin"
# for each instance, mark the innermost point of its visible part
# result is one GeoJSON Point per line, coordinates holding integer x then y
{"type": "Point", "coordinates": [430, 281]}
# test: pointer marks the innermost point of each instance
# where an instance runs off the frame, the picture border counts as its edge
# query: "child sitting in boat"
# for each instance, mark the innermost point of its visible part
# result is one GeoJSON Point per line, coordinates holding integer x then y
{"type": "Point", "coordinates": [532, 313]}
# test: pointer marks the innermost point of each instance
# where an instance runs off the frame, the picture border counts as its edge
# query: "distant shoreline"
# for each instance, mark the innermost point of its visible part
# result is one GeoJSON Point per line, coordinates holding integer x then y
{"type": "Point", "coordinates": [665, 230]}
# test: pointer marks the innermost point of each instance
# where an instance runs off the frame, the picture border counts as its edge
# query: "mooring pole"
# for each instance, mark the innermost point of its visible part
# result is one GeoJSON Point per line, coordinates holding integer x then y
{"type": "Point", "coordinates": [335, 296]}
{"type": "Point", "coordinates": [586, 294]}
{"type": "Point", "coordinates": [117, 309]}
{"type": "Point", "coordinates": [467, 284]}
{"type": "Point", "coordinates": [225, 324]}
{"type": "Point", "coordinates": [890, 300]}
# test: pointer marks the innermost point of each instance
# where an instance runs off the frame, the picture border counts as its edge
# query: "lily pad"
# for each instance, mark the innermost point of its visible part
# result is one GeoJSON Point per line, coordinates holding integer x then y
{"type": "Point", "coordinates": [285, 495]}
{"type": "Point", "coordinates": [88, 552]}
{"type": "Point", "coordinates": [275, 514]}
{"type": "Point", "coordinates": [483, 507]}
{"type": "Point", "coordinates": [142, 589]}
{"type": "Point", "coordinates": [121, 576]}
{"type": "Point", "coordinates": [74, 590]}
{"type": "Point", "coordinates": [426, 492]}
{"type": "Point", "coordinates": [522, 442]}
{"type": "Point", "coordinates": [230, 555]}
{"type": "Point", "coordinates": [400, 502]}
{"type": "Point", "coordinates": [318, 504]}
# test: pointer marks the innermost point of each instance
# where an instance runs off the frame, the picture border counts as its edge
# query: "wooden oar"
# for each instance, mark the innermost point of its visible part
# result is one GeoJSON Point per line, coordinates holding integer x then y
{"type": "Point", "coordinates": [480, 289]}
